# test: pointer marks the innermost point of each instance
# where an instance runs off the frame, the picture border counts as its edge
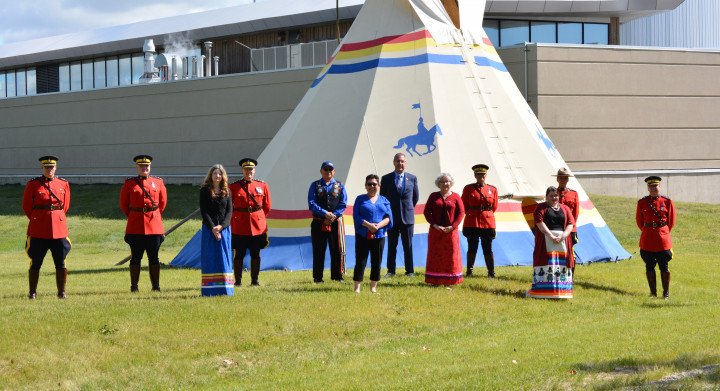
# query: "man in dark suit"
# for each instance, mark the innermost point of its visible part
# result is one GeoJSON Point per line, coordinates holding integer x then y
{"type": "Point", "coordinates": [402, 190]}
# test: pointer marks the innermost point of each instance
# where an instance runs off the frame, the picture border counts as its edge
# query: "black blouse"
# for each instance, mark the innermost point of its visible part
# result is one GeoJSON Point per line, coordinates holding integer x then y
{"type": "Point", "coordinates": [555, 219]}
{"type": "Point", "coordinates": [215, 210]}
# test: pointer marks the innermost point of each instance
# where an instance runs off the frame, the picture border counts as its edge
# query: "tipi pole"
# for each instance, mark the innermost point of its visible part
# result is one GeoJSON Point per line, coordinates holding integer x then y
{"type": "Point", "coordinates": [168, 232]}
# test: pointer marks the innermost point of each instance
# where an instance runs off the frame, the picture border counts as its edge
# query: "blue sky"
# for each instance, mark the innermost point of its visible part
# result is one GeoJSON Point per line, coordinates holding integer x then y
{"type": "Point", "coordinates": [22, 20]}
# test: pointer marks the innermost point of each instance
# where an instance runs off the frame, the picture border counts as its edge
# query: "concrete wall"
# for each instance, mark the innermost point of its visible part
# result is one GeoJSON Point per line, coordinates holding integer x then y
{"type": "Point", "coordinates": [628, 109]}
{"type": "Point", "coordinates": [187, 126]}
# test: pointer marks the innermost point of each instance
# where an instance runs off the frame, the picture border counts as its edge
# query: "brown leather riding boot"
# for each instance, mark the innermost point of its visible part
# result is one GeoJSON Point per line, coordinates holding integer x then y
{"type": "Point", "coordinates": [60, 280]}
{"type": "Point", "coordinates": [237, 270]}
{"type": "Point", "coordinates": [254, 270]}
{"type": "Point", "coordinates": [134, 277]}
{"type": "Point", "coordinates": [652, 282]}
{"type": "Point", "coordinates": [490, 263]}
{"type": "Point", "coordinates": [470, 264]}
{"type": "Point", "coordinates": [155, 277]}
{"type": "Point", "coordinates": [665, 278]}
{"type": "Point", "coordinates": [33, 277]}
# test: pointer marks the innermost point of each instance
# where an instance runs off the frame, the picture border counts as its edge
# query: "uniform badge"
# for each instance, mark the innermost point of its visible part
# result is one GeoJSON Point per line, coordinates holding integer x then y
{"type": "Point", "coordinates": [258, 190]}
{"type": "Point", "coordinates": [153, 184]}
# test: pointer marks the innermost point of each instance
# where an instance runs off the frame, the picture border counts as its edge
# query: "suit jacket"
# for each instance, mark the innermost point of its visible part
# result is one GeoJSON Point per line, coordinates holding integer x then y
{"type": "Point", "coordinates": [403, 205]}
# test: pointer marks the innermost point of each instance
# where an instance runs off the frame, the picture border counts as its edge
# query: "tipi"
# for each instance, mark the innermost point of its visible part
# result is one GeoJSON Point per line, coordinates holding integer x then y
{"type": "Point", "coordinates": [407, 79]}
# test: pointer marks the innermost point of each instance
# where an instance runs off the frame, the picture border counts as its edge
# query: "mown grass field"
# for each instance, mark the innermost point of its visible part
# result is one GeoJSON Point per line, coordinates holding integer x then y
{"type": "Point", "coordinates": [292, 334]}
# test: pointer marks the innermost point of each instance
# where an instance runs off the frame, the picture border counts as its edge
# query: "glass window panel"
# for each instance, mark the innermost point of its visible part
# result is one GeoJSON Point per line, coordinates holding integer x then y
{"type": "Point", "coordinates": [64, 77]}
{"type": "Point", "coordinates": [513, 32]}
{"type": "Point", "coordinates": [125, 70]}
{"type": "Point", "coordinates": [138, 67]}
{"type": "Point", "coordinates": [87, 74]}
{"type": "Point", "coordinates": [75, 76]}
{"type": "Point", "coordinates": [20, 86]}
{"type": "Point", "coordinates": [569, 32]}
{"type": "Point", "coordinates": [10, 78]}
{"type": "Point", "coordinates": [492, 30]}
{"type": "Point", "coordinates": [543, 32]}
{"type": "Point", "coordinates": [111, 71]}
{"type": "Point", "coordinates": [31, 81]}
{"type": "Point", "coordinates": [99, 72]}
{"type": "Point", "coordinates": [596, 33]}
{"type": "Point", "coordinates": [2, 85]}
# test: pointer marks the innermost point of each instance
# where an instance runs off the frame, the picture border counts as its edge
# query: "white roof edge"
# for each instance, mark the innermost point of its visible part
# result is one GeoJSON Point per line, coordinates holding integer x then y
{"type": "Point", "coordinates": [283, 13]}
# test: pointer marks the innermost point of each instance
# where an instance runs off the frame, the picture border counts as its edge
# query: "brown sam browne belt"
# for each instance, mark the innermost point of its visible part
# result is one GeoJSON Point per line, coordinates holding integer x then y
{"type": "Point", "coordinates": [48, 207]}
{"type": "Point", "coordinates": [249, 210]}
{"type": "Point", "coordinates": [482, 208]}
{"type": "Point", "coordinates": [144, 209]}
{"type": "Point", "coordinates": [655, 225]}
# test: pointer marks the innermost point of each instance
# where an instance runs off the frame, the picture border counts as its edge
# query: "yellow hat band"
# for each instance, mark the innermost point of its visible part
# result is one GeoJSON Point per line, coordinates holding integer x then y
{"type": "Point", "coordinates": [480, 170]}
{"type": "Point", "coordinates": [142, 161]}
{"type": "Point", "coordinates": [248, 164]}
{"type": "Point", "coordinates": [48, 162]}
{"type": "Point", "coordinates": [653, 182]}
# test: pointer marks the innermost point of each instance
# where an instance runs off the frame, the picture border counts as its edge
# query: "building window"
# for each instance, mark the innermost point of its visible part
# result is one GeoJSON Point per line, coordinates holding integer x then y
{"type": "Point", "coordinates": [111, 70]}
{"type": "Point", "coordinates": [543, 32]}
{"type": "Point", "coordinates": [2, 85]}
{"type": "Point", "coordinates": [99, 73]}
{"type": "Point", "coordinates": [125, 70]}
{"type": "Point", "coordinates": [75, 76]}
{"type": "Point", "coordinates": [138, 67]}
{"type": "Point", "coordinates": [20, 86]}
{"type": "Point", "coordinates": [570, 33]}
{"type": "Point", "coordinates": [64, 77]}
{"type": "Point", "coordinates": [513, 32]}
{"type": "Point", "coordinates": [31, 80]}
{"type": "Point", "coordinates": [10, 77]}
{"type": "Point", "coordinates": [87, 74]}
{"type": "Point", "coordinates": [492, 29]}
{"type": "Point", "coordinates": [595, 33]}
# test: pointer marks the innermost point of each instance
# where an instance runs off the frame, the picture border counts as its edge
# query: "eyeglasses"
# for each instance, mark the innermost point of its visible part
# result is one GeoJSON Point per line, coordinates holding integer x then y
{"type": "Point", "coordinates": [328, 169]}
{"type": "Point", "coordinates": [373, 184]}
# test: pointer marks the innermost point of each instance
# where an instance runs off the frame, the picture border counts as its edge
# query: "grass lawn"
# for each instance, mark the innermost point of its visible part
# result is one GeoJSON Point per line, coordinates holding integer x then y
{"type": "Point", "coordinates": [292, 334]}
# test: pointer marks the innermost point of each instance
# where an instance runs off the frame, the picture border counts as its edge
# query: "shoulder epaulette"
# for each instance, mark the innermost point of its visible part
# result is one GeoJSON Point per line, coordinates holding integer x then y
{"type": "Point", "coordinates": [35, 179]}
{"type": "Point", "coordinates": [258, 180]}
{"type": "Point", "coordinates": [491, 186]}
{"type": "Point", "coordinates": [129, 178]}
{"type": "Point", "coordinates": [153, 176]}
{"type": "Point", "coordinates": [62, 179]}
{"type": "Point", "coordinates": [665, 197]}
{"type": "Point", "coordinates": [569, 189]}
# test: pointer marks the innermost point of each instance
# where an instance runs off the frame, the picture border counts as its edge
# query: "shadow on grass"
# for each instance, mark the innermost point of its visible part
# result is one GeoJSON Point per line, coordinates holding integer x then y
{"type": "Point", "coordinates": [610, 289]}
{"type": "Point", "coordinates": [100, 271]}
{"type": "Point", "coordinates": [517, 293]}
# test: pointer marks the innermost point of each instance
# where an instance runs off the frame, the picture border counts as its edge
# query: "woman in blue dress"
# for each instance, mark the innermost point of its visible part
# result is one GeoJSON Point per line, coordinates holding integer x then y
{"type": "Point", "coordinates": [216, 253]}
{"type": "Point", "coordinates": [373, 217]}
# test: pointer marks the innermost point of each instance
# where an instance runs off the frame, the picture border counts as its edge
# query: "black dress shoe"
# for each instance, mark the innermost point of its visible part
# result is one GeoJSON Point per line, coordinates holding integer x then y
{"type": "Point", "coordinates": [319, 281]}
{"type": "Point", "coordinates": [255, 283]}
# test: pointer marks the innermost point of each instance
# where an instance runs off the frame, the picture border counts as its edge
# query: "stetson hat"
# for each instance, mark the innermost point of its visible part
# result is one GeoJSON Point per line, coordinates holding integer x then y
{"type": "Point", "coordinates": [563, 172]}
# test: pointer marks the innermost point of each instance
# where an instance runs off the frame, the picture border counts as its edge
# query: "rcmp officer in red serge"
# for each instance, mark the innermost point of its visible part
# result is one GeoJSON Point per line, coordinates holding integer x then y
{"type": "Point", "coordinates": [45, 202]}
{"type": "Point", "coordinates": [143, 199]}
{"type": "Point", "coordinates": [481, 202]}
{"type": "Point", "coordinates": [327, 200]}
{"type": "Point", "coordinates": [251, 205]}
{"type": "Point", "coordinates": [569, 198]}
{"type": "Point", "coordinates": [655, 217]}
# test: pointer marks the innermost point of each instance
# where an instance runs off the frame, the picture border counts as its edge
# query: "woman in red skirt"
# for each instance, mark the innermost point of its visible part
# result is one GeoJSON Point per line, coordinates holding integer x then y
{"type": "Point", "coordinates": [444, 211]}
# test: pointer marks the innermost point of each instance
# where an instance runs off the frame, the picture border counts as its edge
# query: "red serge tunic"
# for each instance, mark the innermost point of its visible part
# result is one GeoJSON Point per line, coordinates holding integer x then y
{"type": "Point", "coordinates": [444, 261]}
{"type": "Point", "coordinates": [132, 196]}
{"type": "Point", "coordinates": [250, 223]}
{"type": "Point", "coordinates": [540, 257]}
{"type": "Point", "coordinates": [46, 223]}
{"type": "Point", "coordinates": [655, 234]}
{"type": "Point", "coordinates": [475, 204]}
{"type": "Point", "coordinates": [569, 198]}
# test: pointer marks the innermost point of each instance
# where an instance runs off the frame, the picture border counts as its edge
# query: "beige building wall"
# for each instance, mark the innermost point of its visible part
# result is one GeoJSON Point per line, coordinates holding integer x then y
{"type": "Point", "coordinates": [634, 110]}
{"type": "Point", "coordinates": [187, 126]}
{"type": "Point", "coordinates": [631, 111]}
